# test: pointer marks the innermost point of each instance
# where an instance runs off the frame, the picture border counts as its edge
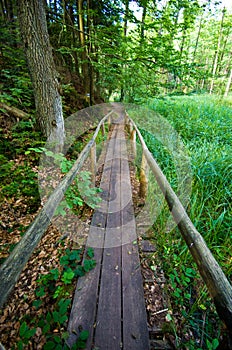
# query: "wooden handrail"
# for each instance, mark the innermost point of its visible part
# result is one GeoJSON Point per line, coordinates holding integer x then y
{"type": "Point", "coordinates": [212, 274]}
{"type": "Point", "coordinates": [12, 267]}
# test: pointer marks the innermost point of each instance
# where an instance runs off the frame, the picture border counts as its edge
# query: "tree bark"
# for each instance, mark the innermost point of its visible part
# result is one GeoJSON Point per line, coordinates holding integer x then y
{"type": "Point", "coordinates": [38, 52]}
{"type": "Point", "coordinates": [144, 13]}
{"type": "Point", "coordinates": [14, 111]}
{"type": "Point", "coordinates": [228, 84]}
{"type": "Point", "coordinates": [126, 17]}
{"type": "Point", "coordinates": [84, 59]}
{"type": "Point", "coordinates": [197, 40]}
{"type": "Point", "coordinates": [216, 57]}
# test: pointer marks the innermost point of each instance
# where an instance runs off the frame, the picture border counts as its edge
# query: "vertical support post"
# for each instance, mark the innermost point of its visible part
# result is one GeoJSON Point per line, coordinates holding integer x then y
{"type": "Point", "coordinates": [126, 120]}
{"type": "Point", "coordinates": [109, 123]}
{"type": "Point", "coordinates": [133, 142]}
{"type": "Point", "coordinates": [143, 178]}
{"type": "Point", "coordinates": [103, 130]}
{"type": "Point", "coordinates": [93, 159]}
{"type": "Point", "coordinates": [130, 127]}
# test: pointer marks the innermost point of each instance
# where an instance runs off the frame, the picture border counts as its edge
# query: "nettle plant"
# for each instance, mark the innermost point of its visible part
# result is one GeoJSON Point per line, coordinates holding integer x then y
{"type": "Point", "coordinates": [80, 192]}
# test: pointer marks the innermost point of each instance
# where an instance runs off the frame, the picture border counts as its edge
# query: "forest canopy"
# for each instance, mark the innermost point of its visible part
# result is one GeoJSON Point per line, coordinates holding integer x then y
{"type": "Point", "coordinates": [125, 50]}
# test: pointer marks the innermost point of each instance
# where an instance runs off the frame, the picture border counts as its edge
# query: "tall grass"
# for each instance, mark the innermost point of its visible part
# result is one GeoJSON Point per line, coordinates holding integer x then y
{"type": "Point", "coordinates": [204, 124]}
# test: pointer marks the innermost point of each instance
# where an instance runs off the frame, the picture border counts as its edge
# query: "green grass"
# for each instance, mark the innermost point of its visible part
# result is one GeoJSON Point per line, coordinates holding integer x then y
{"type": "Point", "coordinates": [204, 124]}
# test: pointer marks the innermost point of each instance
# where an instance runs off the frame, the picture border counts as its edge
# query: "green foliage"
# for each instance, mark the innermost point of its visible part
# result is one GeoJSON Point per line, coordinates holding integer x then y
{"type": "Point", "coordinates": [18, 181]}
{"type": "Point", "coordinates": [80, 192]}
{"type": "Point", "coordinates": [16, 86]}
{"type": "Point", "coordinates": [204, 124]}
{"type": "Point", "coordinates": [56, 285]}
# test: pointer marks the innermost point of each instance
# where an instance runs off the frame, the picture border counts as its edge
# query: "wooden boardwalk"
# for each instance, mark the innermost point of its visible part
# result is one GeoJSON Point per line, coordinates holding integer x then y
{"type": "Point", "coordinates": [109, 300]}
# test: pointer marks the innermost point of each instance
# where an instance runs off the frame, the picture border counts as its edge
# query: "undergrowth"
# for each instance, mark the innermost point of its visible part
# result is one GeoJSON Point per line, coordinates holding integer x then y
{"type": "Point", "coordinates": [54, 288]}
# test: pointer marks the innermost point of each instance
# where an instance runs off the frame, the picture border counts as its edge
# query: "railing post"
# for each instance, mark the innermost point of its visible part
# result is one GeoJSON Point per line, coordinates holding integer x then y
{"type": "Point", "coordinates": [127, 121]}
{"type": "Point", "coordinates": [133, 142]}
{"type": "Point", "coordinates": [143, 178]}
{"type": "Point", "coordinates": [109, 123]}
{"type": "Point", "coordinates": [103, 130]}
{"type": "Point", "coordinates": [93, 159]}
{"type": "Point", "coordinates": [130, 127]}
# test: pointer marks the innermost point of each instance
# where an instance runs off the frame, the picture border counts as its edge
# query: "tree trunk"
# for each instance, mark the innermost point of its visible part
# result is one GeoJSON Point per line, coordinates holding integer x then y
{"type": "Point", "coordinates": [144, 13]}
{"type": "Point", "coordinates": [197, 40]}
{"type": "Point", "coordinates": [126, 17]}
{"type": "Point", "coordinates": [15, 111]}
{"type": "Point", "coordinates": [215, 63]}
{"type": "Point", "coordinates": [84, 63]}
{"type": "Point", "coordinates": [228, 84]}
{"type": "Point", "coordinates": [38, 51]}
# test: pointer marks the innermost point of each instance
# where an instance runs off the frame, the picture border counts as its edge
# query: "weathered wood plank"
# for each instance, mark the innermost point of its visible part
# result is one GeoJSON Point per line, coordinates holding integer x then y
{"type": "Point", "coordinates": [135, 330]}
{"type": "Point", "coordinates": [82, 316]}
{"type": "Point", "coordinates": [108, 324]}
{"type": "Point", "coordinates": [84, 308]}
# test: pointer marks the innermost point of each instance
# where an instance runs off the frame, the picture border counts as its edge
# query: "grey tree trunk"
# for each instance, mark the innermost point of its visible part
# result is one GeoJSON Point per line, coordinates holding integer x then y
{"type": "Point", "coordinates": [33, 26]}
{"type": "Point", "coordinates": [228, 84]}
{"type": "Point", "coordinates": [216, 57]}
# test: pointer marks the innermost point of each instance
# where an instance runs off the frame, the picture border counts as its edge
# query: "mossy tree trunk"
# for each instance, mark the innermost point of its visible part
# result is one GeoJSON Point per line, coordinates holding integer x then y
{"type": "Point", "coordinates": [33, 26]}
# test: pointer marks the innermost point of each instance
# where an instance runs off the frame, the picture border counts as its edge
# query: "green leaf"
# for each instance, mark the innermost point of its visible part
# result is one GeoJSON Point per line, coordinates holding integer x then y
{"type": "Point", "coordinates": [49, 317]}
{"type": "Point", "coordinates": [89, 265]}
{"type": "Point", "coordinates": [168, 317]}
{"type": "Point", "coordinates": [79, 271]}
{"type": "Point", "coordinates": [84, 335]}
{"type": "Point", "coordinates": [90, 253]}
{"type": "Point", "coordinates": [57, 339]}
{"type": "Point", "coordinates": [30, 333]}
{"type": "Point", "coordinates": [75, 255]}
{"type": "Point", "coordinates": [55, 273]}
{"type": "Point", "coordinates": [23, 328]}
{"type": "Point", "coordinates": [68, 276]}
{"type": "Point", "coordinates": [64, 260]}
{"type": "Point", "coordinates": [56, 316]}
{"type": "Point", "coordinates": [215, 344]}
{"type": "Point", "coordinates": [63, 319]}
{"type": "Point", "coordinates": [59, 347]}
{"type": "Point", "coordinates": [46, 329]}
{"type": "Point", "coordinates": [64, 304]}
{"type": "Point", "coordinates": [59, 290]}
{"type": "Point", "coordinates": [20, 345]}
{"type": "Point", "coordinates": [50, 345]}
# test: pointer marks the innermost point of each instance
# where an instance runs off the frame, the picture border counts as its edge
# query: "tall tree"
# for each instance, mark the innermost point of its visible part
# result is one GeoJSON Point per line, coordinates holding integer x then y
{"type": "Point", "coordinates": [228, 84]}
{"type": "Point", "coordinates": [216, 56]}
{"type": "Point", "coordinates": [44, 77]}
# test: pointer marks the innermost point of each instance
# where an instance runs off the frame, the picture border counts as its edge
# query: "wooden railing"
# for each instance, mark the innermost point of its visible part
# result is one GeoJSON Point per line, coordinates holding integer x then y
{"type": "Point", "coordinates": [212, 274]}
{"type": "Point", "coordinates": [12, 267]}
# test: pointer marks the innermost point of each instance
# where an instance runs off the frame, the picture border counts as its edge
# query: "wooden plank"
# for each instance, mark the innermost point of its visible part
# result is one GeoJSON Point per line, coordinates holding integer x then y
{"type": "Point", "coordinates": [82, 316]}
{"type": "Point", "coordinates": [84, 307]}
{"type": "Point", "coordinates": [135, 330]}
{"type": "Point", "coordinates": [108, 325]}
